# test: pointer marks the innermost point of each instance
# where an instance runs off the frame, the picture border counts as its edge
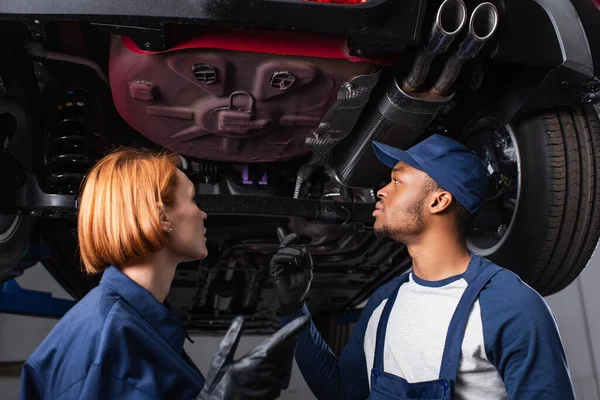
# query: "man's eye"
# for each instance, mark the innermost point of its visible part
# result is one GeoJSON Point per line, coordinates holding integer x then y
{"type": "Point", "coordinates": [396, 181]}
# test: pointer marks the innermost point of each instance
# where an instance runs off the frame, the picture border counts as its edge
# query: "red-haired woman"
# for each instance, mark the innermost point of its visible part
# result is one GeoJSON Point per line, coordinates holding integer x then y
{"type": "Point", "coordinates": [138, 219]}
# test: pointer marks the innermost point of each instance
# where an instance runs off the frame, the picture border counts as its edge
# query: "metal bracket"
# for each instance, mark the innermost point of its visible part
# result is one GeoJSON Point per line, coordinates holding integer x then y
{"type": "Point", "coordinates": [146, 38]}
{"type": "Point", "coordinates": [327, 212]}
{"type": "Point", "coordinates": [37, 28]}
{"type": "Point", "coordinates": [32, 199]}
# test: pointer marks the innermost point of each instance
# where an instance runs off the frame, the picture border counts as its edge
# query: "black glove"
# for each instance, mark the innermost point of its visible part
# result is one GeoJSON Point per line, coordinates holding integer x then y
{"type": "Point", "coordinates": [292, 271]}
{"type": "Point", "coordinates": [259, 375]}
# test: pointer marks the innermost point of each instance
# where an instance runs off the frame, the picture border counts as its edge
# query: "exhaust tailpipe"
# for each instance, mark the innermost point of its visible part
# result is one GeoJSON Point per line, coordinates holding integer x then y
{"type": "Point", "coordinates": [482, 27]}
{"type": "Point", "coordinates": [449, 21]}
{"type": "Point", "coordinates": [403, 114]}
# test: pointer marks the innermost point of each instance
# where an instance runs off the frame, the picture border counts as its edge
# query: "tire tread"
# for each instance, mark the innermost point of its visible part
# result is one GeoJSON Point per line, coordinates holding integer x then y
{"type": "Point", "coordinates": [572, 225]}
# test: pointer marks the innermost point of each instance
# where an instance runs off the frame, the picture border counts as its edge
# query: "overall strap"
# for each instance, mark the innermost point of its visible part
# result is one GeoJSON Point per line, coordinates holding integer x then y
{"type": "Point", "coordinates": [382, 325]}
{"type": "Point", "coordinates": [458, 324]}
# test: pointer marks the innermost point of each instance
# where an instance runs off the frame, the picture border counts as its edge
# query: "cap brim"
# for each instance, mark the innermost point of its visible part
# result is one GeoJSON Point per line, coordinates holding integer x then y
{"type": "Point", "coordinates": [390, 156]}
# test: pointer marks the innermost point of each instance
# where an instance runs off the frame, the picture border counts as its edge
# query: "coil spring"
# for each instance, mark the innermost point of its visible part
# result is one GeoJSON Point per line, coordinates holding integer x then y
{"type": "Point", "coordinates": [67, 156]}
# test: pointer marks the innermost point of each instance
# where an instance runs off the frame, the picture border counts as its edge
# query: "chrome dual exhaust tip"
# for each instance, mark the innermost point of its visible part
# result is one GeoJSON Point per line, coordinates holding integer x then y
{"type": "Point", "coordinates": [482, 26]}
{"type": "Point", "coordinates": [449, 21]}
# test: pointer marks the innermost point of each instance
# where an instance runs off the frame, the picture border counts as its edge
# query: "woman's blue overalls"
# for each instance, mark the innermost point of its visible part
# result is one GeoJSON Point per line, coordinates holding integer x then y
{"type": "Point", "coordinates": [385, 386]}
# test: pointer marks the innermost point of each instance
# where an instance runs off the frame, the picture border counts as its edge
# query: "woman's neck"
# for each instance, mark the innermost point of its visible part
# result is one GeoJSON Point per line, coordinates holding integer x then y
{"type": "Point", "coordinates": [154, 274]}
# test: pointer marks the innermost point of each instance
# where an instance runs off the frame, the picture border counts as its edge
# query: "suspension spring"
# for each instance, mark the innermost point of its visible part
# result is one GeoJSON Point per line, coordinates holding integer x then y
{"type": "Point", "coordinates": [67, 155]}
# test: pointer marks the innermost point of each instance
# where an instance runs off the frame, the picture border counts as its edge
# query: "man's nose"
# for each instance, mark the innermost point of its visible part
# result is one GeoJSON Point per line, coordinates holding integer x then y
{"type": "Point", "coordinates": [381, 193]}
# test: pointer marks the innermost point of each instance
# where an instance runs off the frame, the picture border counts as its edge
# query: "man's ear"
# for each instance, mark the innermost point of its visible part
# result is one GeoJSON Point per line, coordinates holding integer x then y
{"type": "Point", "coordinates": [440, 201]}
{"type": "Point", "coordinates": [163, 217]}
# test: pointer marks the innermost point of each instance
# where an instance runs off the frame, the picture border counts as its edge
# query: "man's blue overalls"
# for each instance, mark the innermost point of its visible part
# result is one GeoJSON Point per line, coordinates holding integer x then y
{"type": "Point", "coordinates": [385, 386]}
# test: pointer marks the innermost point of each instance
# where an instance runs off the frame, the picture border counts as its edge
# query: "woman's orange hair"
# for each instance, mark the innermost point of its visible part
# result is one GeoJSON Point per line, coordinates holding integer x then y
{"type": "Point", "coordinates": [120, 205]}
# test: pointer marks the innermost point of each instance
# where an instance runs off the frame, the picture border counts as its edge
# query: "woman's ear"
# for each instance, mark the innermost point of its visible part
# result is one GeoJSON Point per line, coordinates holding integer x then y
{"type": "Point", "coordinates": [440, 201]}
{"type": "Point", "coordinates": [163, 217]}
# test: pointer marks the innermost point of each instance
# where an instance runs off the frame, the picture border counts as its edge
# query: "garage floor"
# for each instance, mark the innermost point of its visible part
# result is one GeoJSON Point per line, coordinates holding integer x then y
{"type": "Point", "coordinates": [575, 308]}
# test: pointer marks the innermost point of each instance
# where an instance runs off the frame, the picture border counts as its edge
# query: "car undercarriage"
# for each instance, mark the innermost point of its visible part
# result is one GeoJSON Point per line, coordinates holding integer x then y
{"type": "Point", "coordinates": [273, 106]}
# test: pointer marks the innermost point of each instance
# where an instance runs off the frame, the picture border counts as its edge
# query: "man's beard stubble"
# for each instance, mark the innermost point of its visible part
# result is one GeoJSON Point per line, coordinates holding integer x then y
{"type": "Point", "coordinates": [413, 225]}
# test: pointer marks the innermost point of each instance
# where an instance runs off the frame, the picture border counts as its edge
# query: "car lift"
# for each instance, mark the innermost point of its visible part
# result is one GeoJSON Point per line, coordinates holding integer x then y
{"type": "Point", "coordinates": [16, 300]}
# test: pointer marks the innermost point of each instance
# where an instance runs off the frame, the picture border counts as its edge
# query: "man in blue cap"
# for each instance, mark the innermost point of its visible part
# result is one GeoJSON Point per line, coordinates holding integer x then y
{"type": "Point", "coordinates": [457, 326]}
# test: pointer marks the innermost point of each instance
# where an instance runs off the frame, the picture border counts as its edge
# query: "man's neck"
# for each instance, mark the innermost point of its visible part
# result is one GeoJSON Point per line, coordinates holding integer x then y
{"type": "Point", "coordinates": [154, 274]}
{"type": "Point", "coordinates": [435, 258]}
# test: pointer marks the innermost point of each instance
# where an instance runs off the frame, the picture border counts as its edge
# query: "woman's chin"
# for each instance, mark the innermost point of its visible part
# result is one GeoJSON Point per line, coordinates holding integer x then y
{"type": "Point", "coordinates": [196, 256]}
{"type": "Point", "coordinates": [201, 254]}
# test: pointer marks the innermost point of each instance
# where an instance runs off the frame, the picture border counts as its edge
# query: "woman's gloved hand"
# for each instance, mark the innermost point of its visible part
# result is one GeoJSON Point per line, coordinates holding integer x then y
{"type": "Point", "coordinates": [259, 375]}
{"type": "Point", "coordinates": [292, 271]}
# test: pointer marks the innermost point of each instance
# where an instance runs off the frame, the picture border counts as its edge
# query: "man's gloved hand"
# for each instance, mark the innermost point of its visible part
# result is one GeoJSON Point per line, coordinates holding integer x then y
{"type": "Point", "coordinates": [259, 375]}
{"type": "Point", "coordinates": [292, 271]}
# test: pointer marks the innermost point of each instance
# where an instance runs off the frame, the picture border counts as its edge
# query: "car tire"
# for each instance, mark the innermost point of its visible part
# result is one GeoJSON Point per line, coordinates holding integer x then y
{"type": "Point", "coordinates": [15, 232]}
{"type": "Point", "coordinates": [16, 138]}
{"type": "Point", "coordinates": [554, 228]}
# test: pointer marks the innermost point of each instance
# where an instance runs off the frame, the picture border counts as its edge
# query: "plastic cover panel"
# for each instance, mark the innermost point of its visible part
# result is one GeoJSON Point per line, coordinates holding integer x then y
{"type": "Point", "coordinates": [226, 105]}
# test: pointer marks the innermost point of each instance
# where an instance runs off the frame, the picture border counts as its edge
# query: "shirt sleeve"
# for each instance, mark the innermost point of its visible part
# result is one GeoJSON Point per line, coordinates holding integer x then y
{"type": "Point", "coordinates": [98, 385]}
{"type": "Point", "coordinates": [523, 342]}
{"type": "Point", "coordinates": [328, 376]}
{"type": "Point", "coordinates": [32, 383]}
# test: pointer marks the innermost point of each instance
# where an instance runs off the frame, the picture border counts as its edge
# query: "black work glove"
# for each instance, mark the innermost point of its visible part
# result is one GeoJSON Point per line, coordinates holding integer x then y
{"type": "Point", "coordinates": [292, 271]}
{"type": "Point", "coordinates": [259, 375]}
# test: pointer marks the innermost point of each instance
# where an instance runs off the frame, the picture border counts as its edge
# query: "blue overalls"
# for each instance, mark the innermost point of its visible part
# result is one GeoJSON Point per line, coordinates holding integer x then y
{"type": "Point", "coordinates": [385, 386]}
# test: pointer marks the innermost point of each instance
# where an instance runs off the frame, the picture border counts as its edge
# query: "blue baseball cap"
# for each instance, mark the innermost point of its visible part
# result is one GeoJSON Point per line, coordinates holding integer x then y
{"type": "Point", "coordinates": [451, 165]}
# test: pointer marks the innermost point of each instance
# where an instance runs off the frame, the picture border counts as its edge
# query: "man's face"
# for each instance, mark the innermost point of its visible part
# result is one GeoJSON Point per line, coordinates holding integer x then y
{"type": "Point", "coordinates": [400, 211]}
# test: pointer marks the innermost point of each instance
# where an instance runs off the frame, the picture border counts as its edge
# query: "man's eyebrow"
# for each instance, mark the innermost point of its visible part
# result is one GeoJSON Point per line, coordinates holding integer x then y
{"type": "Point", "coordinates": [400, 169]}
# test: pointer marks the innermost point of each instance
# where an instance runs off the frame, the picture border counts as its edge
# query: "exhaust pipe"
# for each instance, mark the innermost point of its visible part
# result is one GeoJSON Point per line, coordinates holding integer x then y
{"type": "Point", "coordinates": [403, 114]}
{"type": "Point", "coordinates": [398, 120]}
{"type": "Point", "coordinates": [482, 26]}
{"type": "Point", "coordinates": [449, 21]}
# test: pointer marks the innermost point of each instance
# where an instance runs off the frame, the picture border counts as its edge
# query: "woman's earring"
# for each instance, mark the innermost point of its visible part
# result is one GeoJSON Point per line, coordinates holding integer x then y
{"type": "Point", "coordinates": [169, 231]}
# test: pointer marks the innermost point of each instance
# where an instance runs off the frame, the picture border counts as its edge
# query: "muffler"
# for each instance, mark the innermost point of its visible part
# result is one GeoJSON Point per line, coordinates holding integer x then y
{"type": "Point", "coordinates": [398, 120]}
{"type": "Point", "coordinates": [404, 111]}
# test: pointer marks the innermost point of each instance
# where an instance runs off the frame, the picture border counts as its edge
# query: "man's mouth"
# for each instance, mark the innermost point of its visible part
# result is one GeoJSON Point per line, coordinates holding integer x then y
{"type": "Point", "coordinates": [378, 209]}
